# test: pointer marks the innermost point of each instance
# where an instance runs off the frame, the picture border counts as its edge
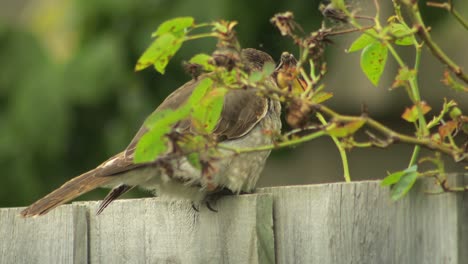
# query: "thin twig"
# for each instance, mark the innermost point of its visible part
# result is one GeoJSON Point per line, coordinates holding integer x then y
{"type": "Point", "coordinates": [450, 8]}
{"type": "Point", "coordinates": [423, 32]}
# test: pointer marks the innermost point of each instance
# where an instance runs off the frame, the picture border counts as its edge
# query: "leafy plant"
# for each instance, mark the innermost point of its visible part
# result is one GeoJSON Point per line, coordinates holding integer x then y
{"type": "Point", "coordinates": [301, 90]}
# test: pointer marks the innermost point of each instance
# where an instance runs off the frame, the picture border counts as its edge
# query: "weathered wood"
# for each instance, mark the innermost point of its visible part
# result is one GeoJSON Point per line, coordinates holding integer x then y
{"type": "Point", "coordinates": [59, 237]}
{"type": "Point", "coordinates": [154, 231]}
{"type": "Point", "coordinates": [358, 223]}
{"type": "Point", "coordinates": [328, 223]}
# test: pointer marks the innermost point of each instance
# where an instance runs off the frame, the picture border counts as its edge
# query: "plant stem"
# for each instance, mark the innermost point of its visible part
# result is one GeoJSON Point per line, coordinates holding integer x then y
{"type": "Point", "coordinates": [415, 155]}
{"type": "Point", "coordinates": [423, 32]}
{"type": "Point", "coordinates": [344, 157]}
{"type": "Point", "coordinates": [199, 36]}
{"type": "Point", "coordinates": [395, 137]}
{"type": "Point", "coordinates": [449, 7]}
{"type": "Point", "coordinates": [283, 144]}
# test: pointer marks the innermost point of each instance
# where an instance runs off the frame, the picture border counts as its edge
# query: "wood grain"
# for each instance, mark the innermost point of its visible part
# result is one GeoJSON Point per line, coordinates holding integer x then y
{"type": "Point", "coordinates": [58, 237]}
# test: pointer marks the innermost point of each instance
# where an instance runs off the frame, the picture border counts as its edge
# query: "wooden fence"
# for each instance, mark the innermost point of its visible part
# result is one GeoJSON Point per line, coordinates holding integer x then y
{"type": "Point", "coordinates": [327, 223]}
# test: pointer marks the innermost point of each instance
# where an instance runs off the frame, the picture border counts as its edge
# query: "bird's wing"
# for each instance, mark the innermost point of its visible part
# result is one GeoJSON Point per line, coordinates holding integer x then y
{"type": "Point", "coordinates": [242, 110]}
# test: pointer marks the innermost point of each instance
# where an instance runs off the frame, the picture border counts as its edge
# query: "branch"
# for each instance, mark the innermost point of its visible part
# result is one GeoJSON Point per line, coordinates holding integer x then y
{"type": "Point", "coordinates": [423, 32]}
{"type": "Point", "coordinates": [450, 8]}
{"type": "Point", "coordinates": [392, 137]}
{"type": "Point", "coordinates": [395, 137]}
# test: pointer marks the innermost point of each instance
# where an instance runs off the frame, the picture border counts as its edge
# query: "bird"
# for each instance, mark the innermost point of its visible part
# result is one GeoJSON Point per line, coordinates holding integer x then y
{"type": "Point", "coordinates": [244, 120]}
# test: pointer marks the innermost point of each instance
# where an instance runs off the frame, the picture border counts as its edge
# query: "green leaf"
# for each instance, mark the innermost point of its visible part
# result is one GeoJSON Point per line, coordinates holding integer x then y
{"type": "Point", "coordinates": [154, 142]}
{"type": "Point", "coordinates": [373, 59]}
{"type": "Point", "coordinates": [404, 36]}
{"type": "Point", "coordinates": [363, 41]}
{"type": "Point", "coordinates": [403, 185]}
{"type": "Point", "coordinates": [339, 4]}
{"type": "Point", "coordinates": [176, 26]}
{"type": "Point", "coordinates": [396, 176]}
{"type": "Point", "coordinates": [214, 105]}
{"type": "Point", "coordinates": [166, 117]}
{"type": "Point", "coordinates": [455, 113]}
{"type": "Point", "coordinates": [320, 97]}
{"type": "Point", "coordinates": [200, 91]}
{"type": "Point", "coordinates": [160, 52]}
{"type": "Point", "coordinates": [268, 68]}
{"type": "Point", "coordinates": [206, 115]}
{"type": "Point", "coordinates": [203, 60]}
{"type": "Point", "coordinates": [255, 76]}
{"type": "Point", "coordinates": [404, 75]}
{"type": "Point", "coordinates": [392, 178]}
{"type": "Point", "coordinates": [194, 160]}
{"type": "Point", "coordinates": [338, 130]}
{"type": "Point", "coordinates": [151, 145]}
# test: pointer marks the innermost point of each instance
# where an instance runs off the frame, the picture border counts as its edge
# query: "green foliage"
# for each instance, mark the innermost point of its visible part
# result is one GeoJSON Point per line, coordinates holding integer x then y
{"type": "Point", "coordinates": [373, 59]}
{"type": "Point", "coordinates": [203, 60]}
{"type": "Point", "coordinates": [206, 114]}
{"type": "Point", "coordinates": [176, 26]}
{"type": "Point", "coordinates": [401, 182]}
{"type": "Point", "coordinates": [169, 38]}
{"type": "Point", "coordinates": [159, 52]}
{"type": "Point", "coordinates": [200, 91]}
{"type": "Point", "coordinates": [320, 97]}
{"type": "Point", "coordinates": [373, 55]}
{"type": "Point", "coordinates": [404, 35]}
{"type": "Point", "coordinates": [344, 130]}
{"type": "Point", "coordinates": [267, 70]}
{"type": "Point", "coordinates": [363, 41]}
{"type": "Point", "coordinates": [155, 141]}
{"type": "Point", "coordinates": [412, 114]}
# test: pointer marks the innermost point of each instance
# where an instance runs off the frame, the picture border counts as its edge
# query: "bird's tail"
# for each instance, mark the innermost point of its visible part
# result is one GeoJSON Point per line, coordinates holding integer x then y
{"type": "Point", "coordinates": [71, 189]}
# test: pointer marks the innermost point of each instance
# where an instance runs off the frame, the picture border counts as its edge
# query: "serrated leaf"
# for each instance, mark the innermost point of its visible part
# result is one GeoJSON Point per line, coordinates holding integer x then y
{"type": "Point", "coordinates": [166, 117]}
{"type": "Point", "coordinates": [362, 41]}
{"type": "Point", "coordinates": [203, 60]}
{"type": "Point", "coordinates": [200, 91]}
{"type": "Point", "coordinates": [345, 130]}
{"type": "Point", "coordinates": [403, 34]}
{"type": "Point", "coordinates": [411, 114]}
{"type": "Point", "coordinates": [152, 144]}
{"type": "Point", "coordinates": [176, 26]}
{"type": "Point", "coordinates": [405, 183]}
{"type": "Point", "coordinates": [159, 52]}
{"type": "Point", "coordinates": [373, 59]}
{"type": "Point", "coordinates": [206, 115]}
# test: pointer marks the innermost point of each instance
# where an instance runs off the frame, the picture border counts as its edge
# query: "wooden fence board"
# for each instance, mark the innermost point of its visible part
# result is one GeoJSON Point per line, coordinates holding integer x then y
{"type": "Point", "coordinates": [328, 223]}
{"type": "Point", "coordinates": [358, 223]}
{"type": "Point", "coordinates": [154, 231]}
{"type": "Point", "coordinates": [58, 237]}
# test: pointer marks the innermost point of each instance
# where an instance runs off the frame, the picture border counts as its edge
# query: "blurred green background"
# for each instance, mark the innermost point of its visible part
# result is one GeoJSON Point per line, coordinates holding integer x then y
{"type": "Point", "coordinates": [69, 97]}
